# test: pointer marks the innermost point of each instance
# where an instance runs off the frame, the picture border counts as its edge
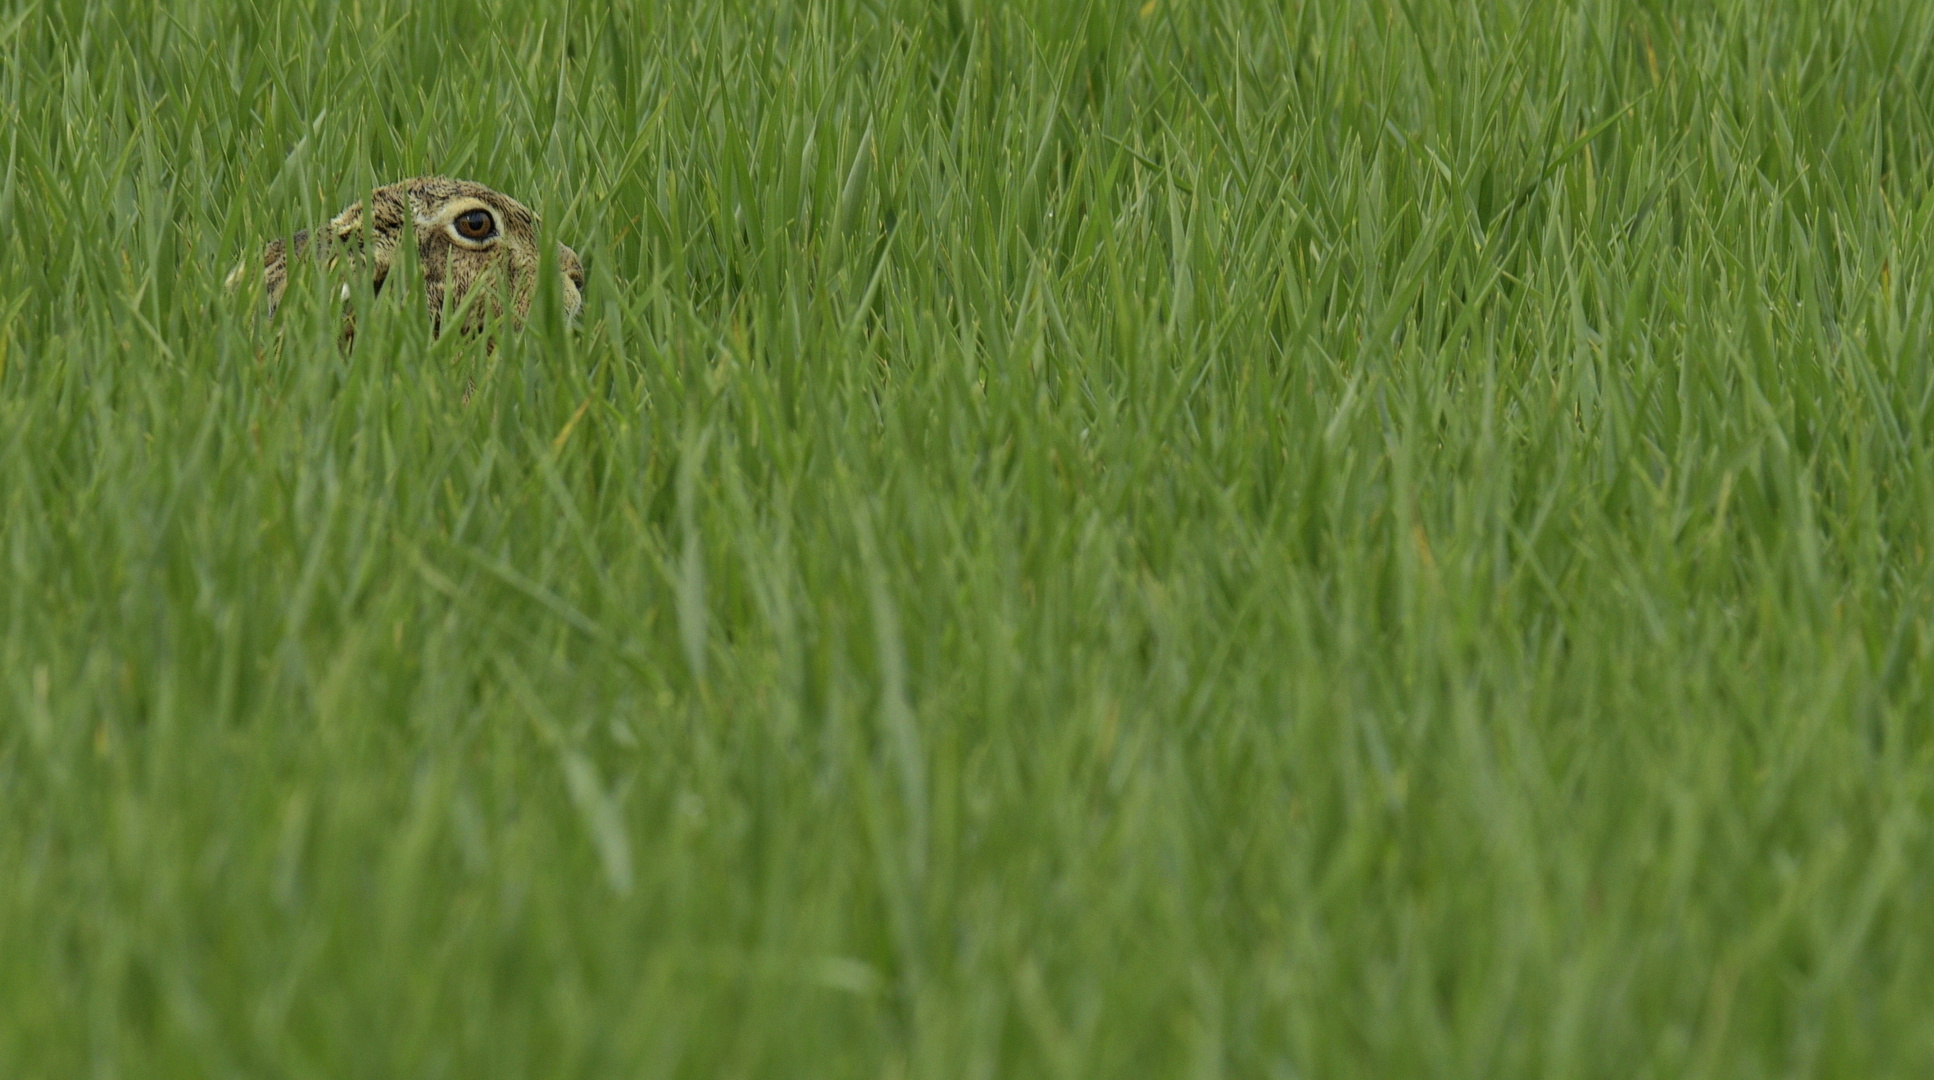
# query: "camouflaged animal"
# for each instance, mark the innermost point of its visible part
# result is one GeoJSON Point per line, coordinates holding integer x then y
{"type": "Point", "coordinates": [466, 235]}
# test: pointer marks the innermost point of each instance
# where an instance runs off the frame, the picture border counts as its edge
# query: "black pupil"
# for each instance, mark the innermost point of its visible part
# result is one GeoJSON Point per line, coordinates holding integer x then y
{"type": "Point", "coordinates": [475, 224]}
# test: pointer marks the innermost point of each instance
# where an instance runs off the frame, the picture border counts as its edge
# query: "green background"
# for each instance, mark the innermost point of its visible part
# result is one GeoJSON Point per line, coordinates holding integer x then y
{"type": "Point", "coordinates": [1215, 538]}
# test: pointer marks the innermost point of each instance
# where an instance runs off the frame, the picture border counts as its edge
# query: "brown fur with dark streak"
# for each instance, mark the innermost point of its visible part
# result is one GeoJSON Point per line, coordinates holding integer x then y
{"type": "Point", "coordinates": [453, 249]}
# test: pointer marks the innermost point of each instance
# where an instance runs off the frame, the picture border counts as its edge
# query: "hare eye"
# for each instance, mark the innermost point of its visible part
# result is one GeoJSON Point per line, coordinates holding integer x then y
{"type": "Point", "coordinates": [476, 225]}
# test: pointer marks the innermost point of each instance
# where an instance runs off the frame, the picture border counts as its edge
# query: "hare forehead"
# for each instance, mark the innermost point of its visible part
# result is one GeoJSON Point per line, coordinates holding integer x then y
{"type": "Point", "coordinates": [434, 194]}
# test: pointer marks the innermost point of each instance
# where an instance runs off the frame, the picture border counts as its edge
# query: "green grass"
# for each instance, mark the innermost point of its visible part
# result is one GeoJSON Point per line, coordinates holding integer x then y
{"type": "Point", "coordinates": [1228, 538]}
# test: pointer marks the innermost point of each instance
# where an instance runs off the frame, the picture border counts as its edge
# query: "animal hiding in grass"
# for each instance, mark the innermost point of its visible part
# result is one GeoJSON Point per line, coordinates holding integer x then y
{"type": "Point", "coordinates": [469, 239]}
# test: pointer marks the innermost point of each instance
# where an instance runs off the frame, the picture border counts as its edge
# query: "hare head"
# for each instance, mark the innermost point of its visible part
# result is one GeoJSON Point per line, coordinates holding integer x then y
{"type": "Point", "coordinates": [468, 239]}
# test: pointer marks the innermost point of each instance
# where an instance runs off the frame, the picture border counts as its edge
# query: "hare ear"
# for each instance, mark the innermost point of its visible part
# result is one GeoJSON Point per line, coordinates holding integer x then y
{"type": "Point", "coordinates": [275, 268]}
{"type": "Point", "coordinates": [384, 224]}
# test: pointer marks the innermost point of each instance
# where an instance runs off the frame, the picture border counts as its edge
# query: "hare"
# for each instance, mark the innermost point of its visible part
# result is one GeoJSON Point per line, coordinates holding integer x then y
{"type": "Point", "coordinates": [466, 235]}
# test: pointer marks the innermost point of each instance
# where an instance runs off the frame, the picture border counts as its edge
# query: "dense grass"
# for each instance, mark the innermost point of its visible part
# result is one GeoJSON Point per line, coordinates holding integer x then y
{"type": "Point", "coordinates": [1070, 539]}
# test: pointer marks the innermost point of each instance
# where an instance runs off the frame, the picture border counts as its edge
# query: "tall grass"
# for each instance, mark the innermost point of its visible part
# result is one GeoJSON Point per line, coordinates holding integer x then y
{"type": "Point", "coordinates": [1203, 538]}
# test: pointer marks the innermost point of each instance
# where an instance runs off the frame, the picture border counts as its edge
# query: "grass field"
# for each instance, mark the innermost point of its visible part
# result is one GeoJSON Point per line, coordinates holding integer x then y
{"type": "Point", "coordinates": [1070, 539]}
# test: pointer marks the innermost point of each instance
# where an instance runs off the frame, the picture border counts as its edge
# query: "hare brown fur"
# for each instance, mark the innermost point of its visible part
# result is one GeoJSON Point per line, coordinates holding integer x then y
{"type": "Point", "coordinates": [467, 236]}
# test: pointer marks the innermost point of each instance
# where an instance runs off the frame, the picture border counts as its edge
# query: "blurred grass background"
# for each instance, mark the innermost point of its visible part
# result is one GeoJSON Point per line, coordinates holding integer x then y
{"type": "Point", "coordinates": [1197, 538]}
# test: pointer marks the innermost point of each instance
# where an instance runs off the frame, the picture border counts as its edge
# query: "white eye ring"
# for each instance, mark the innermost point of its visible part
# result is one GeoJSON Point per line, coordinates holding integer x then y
{"type": "Point", "coordinates": [474, 227]}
